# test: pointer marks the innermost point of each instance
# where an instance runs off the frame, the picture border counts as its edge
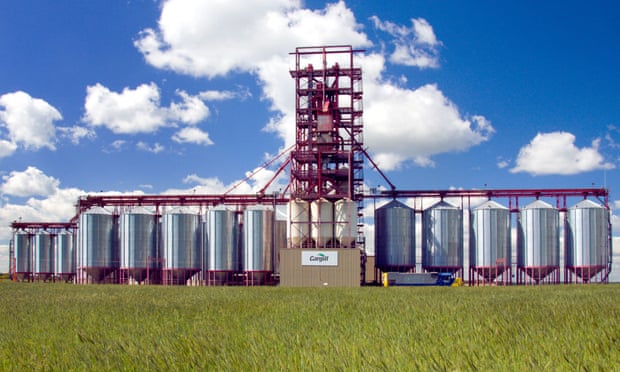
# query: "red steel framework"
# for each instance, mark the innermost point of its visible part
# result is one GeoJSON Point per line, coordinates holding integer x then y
{"type": "Point", "coordinates": [328, 160]}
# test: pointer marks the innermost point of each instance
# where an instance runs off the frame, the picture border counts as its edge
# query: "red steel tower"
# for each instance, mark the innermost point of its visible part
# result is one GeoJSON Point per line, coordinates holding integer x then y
{"type": "Point", "coordinates": [328, 158]}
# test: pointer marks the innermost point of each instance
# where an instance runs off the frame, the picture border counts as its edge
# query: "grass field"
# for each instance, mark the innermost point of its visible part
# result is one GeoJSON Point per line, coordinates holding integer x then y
{"type": "Point", "coordinates": [62, 327]}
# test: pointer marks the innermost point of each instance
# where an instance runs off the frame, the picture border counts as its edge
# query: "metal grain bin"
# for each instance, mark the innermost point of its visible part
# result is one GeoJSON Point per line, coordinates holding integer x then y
{"type": "Point", "coordinates": [98, 255]}
{"type": "Point", "coordinates": [442, 238]}
{"type": "Point", "coordinates": [139, 253]}
{"type": "Point", "coordinates": [65, 255]}
{"type": "Point", "coordinates": [538, 247]}
{"type": "Point", "coordinates": [395, 237]}
{"type": "Point", "coordinates": [258, 244]}
{"type": "Point", "coordinates": [181, 245]}
{"type": "Point", "coordinates": [223, 248]}
{"type": "Point", "coordinates": [587, 239]}
{"type": "Point", "coordinates": [44, 255]}
{"type": "Point", "coordinates": [23, 254]}
{"type": "Point", "coordinates": [489, 240]}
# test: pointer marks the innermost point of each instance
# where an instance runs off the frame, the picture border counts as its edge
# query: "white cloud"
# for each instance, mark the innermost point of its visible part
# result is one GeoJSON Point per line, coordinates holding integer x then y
{"type": "Point", "coordinates": [255, 181]}
{"type": "Point", "coordinates": [76, 133]}
{"type": "Point", "coordinates": [191, 110]}
{"type": "Point", "coordinates": [556, 153]}
{"type": "Point", "coordinates": [413, 46]}
{"type": "Point", "coordinates": [29, 122]}
{"type": "Point", "coordinates": [30, 182]}
{"type": "Point", "coordinates": [222, 95]}
{"type": "Point", "coordinates": [47, 201]}
{"type": "Point", "coordinates": [138, 110]}
{"type": "Point", "coordinates": [115, 146]}
{"type": "Point", "coordinates": [131, 111]}
{"type": "Point", "coordinates": [7, 148]}
{"type": "Point", "coordinates": [192, 135]}
{"type": "Point", "coordinates": [155, 149]}
{"type": "Point", "coordinates": [190, 43]}
{"type": "Point", "coordinates": [502, 163]}
{"type": "Point", "coordinates": [404, 124]}
{"type": "Point", "coordinates": [209, 186]}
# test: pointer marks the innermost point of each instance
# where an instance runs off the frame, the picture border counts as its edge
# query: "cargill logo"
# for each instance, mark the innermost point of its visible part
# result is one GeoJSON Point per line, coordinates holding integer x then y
{"type": "Point", "coordinates": [320, 258]}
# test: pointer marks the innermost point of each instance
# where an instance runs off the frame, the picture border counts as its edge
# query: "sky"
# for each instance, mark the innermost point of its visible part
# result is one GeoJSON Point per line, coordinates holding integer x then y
{"type": "Point", "coordinates": [170, 97]}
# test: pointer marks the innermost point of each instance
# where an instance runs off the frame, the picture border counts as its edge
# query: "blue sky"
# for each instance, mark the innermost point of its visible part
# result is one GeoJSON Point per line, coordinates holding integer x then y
{"type": "Point", "coordinates": [171, 97]}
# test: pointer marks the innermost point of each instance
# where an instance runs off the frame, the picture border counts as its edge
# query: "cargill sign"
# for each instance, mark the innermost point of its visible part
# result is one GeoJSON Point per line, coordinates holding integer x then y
{"type": "Point", "coordinates": [319, 258]}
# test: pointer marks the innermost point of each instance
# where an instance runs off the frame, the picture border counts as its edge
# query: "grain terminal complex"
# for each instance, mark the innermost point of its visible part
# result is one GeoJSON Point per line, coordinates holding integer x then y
{"type": "Point", "coordinates": [311, 233]}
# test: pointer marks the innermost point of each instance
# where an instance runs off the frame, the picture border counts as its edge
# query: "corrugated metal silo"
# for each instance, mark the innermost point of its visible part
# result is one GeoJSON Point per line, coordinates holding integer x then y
{"type": "Point", "coordinates": [322, 227]}
{"type": "Point", "coordinates": [98, 255]}
{"type": "Point", "coordinates": [23, 243]}
{"type": "Point", "coordinates": [223, 246]}
{"type": "Point", "coordinates": [538, 247]}
{"type": "Point", "coordinates": [587, 240]}
{"type": "Point", "coordinates": [182, 246]}
{"type": "Point", "coordinates": [65, 255]}
{"type": "Point", "coordinates": [139, 254]}
{"type": "Point", "coordinates": [345, 211]}
{"type": "Point", "coordinates": [395, 237]}
{"type": "Point", "coordinates": [258, 245]}
{"type": "Point", "coordinates": [442, 238]}
{"type": "Point", "coordinates": [489, 243]}
{"type": "Point", "coordinates": [44, 256]}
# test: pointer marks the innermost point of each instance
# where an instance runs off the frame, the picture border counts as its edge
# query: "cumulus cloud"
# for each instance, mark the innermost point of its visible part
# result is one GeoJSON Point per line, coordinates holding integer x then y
{"type": "Point", "coordinates": [139, 110]}
{"type": "Point", "coordinates": [404, 124]}
{"type": "Point", "coordinates": [190, 43]}
{"type": "Point", "coordinates": [416, 45]}
{"type": "Point", "coordinates": [556, 153]}
{"type": "Point", "coordinates": [29, 122]}
{"type": "Point", "coordinates": [192, 135]}
{"type": "Point", "coordinates": [30, 182]}
{"type": "Point", "coordinates": [46, 200]}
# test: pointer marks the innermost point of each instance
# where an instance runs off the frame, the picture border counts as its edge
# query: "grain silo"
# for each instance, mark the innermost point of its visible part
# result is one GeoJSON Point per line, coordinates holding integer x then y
{"type": "Point", "coordinates": [587, 242]}
{"type": "Point", "coordinates": [299, 224]}
{"type": "Point", "coordinates": [322, 226]}
{"type": "Point", "coordinates": [258, 245]}
{"type": "Point", "coordinates": [223, 259]}
{"type": "Point", "coordinates": [489, 244]}
{"type": "Point", "coordinates": [140, 256]}
{"type": "Point", "coordinates": [395, 237]}
{"type": "Point", "coordinates": [181, 246]}
{"type": "Point", "coordinates": [538, 247]}
{"type": "Point", "coordinates": [65, 255]}
{"type": "Point", "coordinates": [23, 245]}
{"type": "Point", "coordinates": [44, 256]}
{"type": "Point", "coordinates": [345, 216]}
{"type": "Point", "coordinates": [98, 255]}
{"type": "Point", "coordinates": [442, 238]}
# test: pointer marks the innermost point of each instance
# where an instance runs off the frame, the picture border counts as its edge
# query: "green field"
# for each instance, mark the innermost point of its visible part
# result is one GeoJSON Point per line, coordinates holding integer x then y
{"type": "Point", "coordinates": [61, 327]}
